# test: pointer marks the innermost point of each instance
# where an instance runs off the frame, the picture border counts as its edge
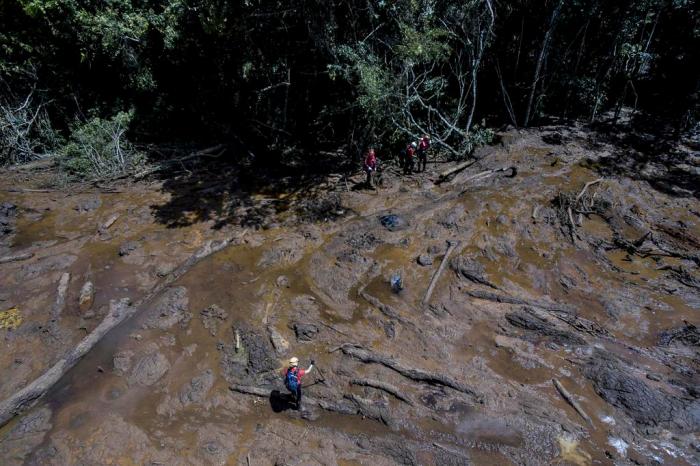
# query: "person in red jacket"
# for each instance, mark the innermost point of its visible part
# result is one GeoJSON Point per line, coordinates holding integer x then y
{"type": "Point", "coordinates": [423, 146]}
{"type": "Point", "coordinates": [410, 153]}
{"type": "Point", "coordinates": [370, 167]}
{"type": "Point", "coordinates": [292, 379]}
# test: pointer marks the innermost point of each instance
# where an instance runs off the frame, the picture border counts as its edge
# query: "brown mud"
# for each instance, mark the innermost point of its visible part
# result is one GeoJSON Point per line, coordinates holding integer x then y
{"type": "Point", "coordinates": [607, 305]}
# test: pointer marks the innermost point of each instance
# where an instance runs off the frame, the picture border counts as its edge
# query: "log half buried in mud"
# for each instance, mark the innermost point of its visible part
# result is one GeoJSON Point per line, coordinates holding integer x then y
{"type": "Point", "coordinates": [16, 258]}
{"type": "Point", "coordinates": [570, 399]}
{"type": "Point", "coordinates": [418, 375]}
{"type": "Point", "coordinates": [118, 313]}
{"type": "Point", "coordinates": [25, 398]}
{"type": "Point", "coordinates": [451, 171]}
{"type": "Point", "coordinates": [439, 271]}
{"type": "Point", "coordinates": [384, 387]}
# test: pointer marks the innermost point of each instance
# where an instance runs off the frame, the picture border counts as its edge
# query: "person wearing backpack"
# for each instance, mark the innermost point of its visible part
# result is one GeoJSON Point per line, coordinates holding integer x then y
{"type": "Point", "coordinates": [292, 379]}
{"type": "Point", "coordinates": [370, 167]}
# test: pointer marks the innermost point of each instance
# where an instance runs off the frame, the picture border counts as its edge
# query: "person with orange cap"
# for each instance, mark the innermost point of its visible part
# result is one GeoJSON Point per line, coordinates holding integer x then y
{"type": "Point", "coordinates": [292, 379]}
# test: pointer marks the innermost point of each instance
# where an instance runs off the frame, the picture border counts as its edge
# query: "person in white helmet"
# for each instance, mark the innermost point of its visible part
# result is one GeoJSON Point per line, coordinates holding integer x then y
{"type": "Point", "coordinates": [292, 379]}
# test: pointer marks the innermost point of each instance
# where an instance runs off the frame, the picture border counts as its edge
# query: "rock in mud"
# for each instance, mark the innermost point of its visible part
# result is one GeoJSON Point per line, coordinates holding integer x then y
{"type": "Point", "coordinates": [127, 248]}
{"type": "Point", "coordinates": [305, 331]}
{"type": "Point", "coordinates": [425, 260]}
{"type": "Point", "coordinates": [149, 369]}
{"type": "Point", "coordinates": [196, 391]}
{"type": "Point", "coordinates": [619, 385]}
{"type": "Point", "coordinates": [471, 270]}
{"type": "Point", "coordinates": [87, 295]}
{"type": "Point", "coordinates": [8, 212]}
{"type": "Point", "coordinates": [122, 362]}
{"type": "Point", "coordinates": [393, 222]}
{"type": "Point", "coordinates": [212, 317]}
{"type": "Point", "coordinates": [280, 343]}
{"type": "Point", "coordinates": [45, 265]}
{"type": "Point", "coordinates": [255, 356]}
{"type": "Point", "coordinates": [170, 309]}
{"type": "Point", "coordinates": [88, 205]}
{"type": "Point", "coordinates": [687, 335]}
{"type": "Point", "coordinates": [26, 435]}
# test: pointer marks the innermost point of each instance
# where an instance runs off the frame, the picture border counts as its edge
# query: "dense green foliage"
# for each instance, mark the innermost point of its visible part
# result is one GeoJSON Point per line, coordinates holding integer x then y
{"type": "Point", "coordinates": [275, 77]}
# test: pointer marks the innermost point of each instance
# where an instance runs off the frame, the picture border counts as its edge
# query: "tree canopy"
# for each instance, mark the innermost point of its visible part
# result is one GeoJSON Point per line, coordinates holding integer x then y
{"type": "Point", "coordinates": [278, 76]}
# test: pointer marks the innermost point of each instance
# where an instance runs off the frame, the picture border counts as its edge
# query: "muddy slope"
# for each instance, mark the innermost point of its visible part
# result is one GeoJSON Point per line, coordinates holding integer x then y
{"type": "Point", "coordinates": [597, 289]}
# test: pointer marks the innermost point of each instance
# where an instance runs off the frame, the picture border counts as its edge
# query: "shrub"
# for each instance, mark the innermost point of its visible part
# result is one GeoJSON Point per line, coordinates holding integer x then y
{"type": "Point", "coordinates": [98, 149]}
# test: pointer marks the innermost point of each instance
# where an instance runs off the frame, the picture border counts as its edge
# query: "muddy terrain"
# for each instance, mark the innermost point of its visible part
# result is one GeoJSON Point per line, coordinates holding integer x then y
{"type": "Point", "coordinates": [562, 327]}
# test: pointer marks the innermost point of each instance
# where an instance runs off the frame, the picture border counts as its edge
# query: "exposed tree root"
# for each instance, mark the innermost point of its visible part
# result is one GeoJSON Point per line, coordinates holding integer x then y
{"type": "Point", "coordinates": [418, 375]}
{"type": "Point", "coordinates": [383, 386]}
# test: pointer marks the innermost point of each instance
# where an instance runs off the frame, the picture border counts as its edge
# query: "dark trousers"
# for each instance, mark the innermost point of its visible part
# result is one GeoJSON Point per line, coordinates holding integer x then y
{"type": "Point", "coordinates": [422, 160]}
{"type": "Point", "coordinates": [408, 166]}
{"type": "Point", "coordinates": [296, 396]}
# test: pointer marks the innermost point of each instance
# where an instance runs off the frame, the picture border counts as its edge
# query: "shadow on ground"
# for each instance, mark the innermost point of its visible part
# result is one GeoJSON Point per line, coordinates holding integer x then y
{"type": "Point", "coordinates": [249, 193]}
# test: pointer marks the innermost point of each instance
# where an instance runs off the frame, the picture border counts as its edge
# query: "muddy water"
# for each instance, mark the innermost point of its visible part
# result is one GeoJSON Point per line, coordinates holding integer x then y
{"type": "Point", "coordinates": [103, 413]}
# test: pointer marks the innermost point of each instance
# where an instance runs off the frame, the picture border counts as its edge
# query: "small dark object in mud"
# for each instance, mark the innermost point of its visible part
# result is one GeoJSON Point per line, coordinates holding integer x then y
{"type": "Point", "coordinates": [425, 260]}
{"type": "Point", "coordinates": [305, 332]}
{"type": "Point", "coordinates": [88, 205]}
{"type": "Point", "coordinates": [128, 247]}
{"type": "Point", "coordinates": [528, 321]}
{"type": "Point", "coordinates": [553, 138]}
{"type": "Point", "coordinates": [687, 335]}
{"type": "Point", "coordinates": [396, 283]}
{"type": "Point", "coordinates": [393, 222]}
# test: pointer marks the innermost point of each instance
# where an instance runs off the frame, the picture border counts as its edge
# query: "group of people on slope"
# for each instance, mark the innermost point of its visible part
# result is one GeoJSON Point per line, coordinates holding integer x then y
{"type": "Point", "coordinates": [407, 159]}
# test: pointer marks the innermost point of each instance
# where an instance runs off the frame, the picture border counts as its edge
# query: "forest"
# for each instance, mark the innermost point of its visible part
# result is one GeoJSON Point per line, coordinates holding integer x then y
{"type": "Point", "coordinates": [106, 86]}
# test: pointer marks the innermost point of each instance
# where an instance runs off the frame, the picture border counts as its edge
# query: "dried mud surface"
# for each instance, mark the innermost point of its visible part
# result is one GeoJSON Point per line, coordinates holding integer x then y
{"type": "Point", "coordinates": [605, 300]}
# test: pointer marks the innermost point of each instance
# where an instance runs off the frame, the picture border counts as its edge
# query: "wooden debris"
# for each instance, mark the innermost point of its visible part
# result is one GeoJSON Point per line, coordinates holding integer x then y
{"type": "Point", "coordinates": [409, 372]}
{"type": "Point", "coordinates": [110, 221]}
{"type": "Point", "coordinates": [16, 258]}
{"type": "Point", "coordinates": [570, 399]}
{"type": "Point", "coordinates": [451, 171]}
{"type": "Point", "coordinates": [384, 387]}
{"type": "Point", "coordinates": [439, 271]}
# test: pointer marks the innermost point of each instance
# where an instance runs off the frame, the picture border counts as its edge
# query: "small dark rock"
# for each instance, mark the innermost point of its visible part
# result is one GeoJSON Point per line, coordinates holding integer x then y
{"type": "Point", "coordinates": [654, 377]}
{"type": "Point", "coordinates": [305, 331]}
{"type": "Point", "coordinates": [393, 222]}
{"type": "Point", "coordinates": [425, 260]}
{"type": "Point", "coordinates": [128, 247]}
{"type": "Point", "coordinates": [88, 205]}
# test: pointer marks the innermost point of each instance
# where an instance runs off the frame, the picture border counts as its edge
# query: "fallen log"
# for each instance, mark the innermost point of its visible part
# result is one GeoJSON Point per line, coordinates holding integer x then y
{"type": "Point", "coordinates": [26, 397]}
{"type": "Point", "coordinates": [406, 371]}
{"type": "Point", "coordinates": [487, 173]}
{"type": "Point", "coordinates": [379, 385]}
{"type": "Point", "coordinates": [16, 258]}
{"type": "Point", "coordinates": [110, 221]}
{"type": "Point", "coordinates": [118, 313]}
{"type": "Point", "coordinates": [385, 309]}
{"type": "Point", "coordinates": [452, 451]}
{"type": "Point", "coordinates": [439, 271]}
{"type": "Point", "coordinates": [213, 152]}
{"type": "Point", "coordinates": [60, 302]}
{"type": "Point", "coordinates": [451, 171]}
{"type": "Point", "coordinates": [570, 399]}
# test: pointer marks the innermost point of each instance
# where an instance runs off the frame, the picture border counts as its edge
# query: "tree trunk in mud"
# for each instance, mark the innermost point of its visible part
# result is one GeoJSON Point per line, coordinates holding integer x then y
{"type": "Point", "coordinates": [118, 313]}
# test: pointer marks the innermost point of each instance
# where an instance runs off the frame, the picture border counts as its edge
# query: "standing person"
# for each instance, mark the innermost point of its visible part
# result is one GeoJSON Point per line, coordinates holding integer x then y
{"type": "Point", "coordinates": [410, 152]}
{"type": "Point", "coordinates": [423, 146]}
{"type": "Point", "coordinates": [292, 379]}
{"type": "Point", "coordinates": [370, 167]}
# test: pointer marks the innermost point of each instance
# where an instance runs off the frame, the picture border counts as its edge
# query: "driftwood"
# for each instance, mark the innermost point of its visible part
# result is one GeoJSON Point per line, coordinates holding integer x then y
{"type": "Point", "coordinates": [60, 302]}
{"type": "Point", "coordinates": [110, 221]}
{"type": "Point", "coordinates": [26, 397]}
{"type": "Point", "coordinates": [118, 313]}
{"type": "Point", "coordinates": [570, 399]}
{"type": "Point", "coordinates": [384, 387]}
{"type": "Point", "coordinates": [487, 173]}
{"type": "Point", "coordinates": [439, 271]}
{"type": "Point", "coordinates": [17, 257]}
{"type": "Point", "coordinates": [451, 171]}
{"type": "Point", "coordinates": [385, 309]}
{"type": "Point", "coordinates": [585, 188]}
{"type": "Point", "coordinates": [418, 375]}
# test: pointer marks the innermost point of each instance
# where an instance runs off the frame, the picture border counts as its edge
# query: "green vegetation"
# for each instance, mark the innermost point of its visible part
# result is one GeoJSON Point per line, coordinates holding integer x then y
{"type": "Point", "coordinates": [275, 77]}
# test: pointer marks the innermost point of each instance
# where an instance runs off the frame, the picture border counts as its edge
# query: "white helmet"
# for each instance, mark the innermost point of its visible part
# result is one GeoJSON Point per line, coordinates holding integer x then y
{"type": "Point", "coordinates": [294, 362]}
{"type": "Point", "coordinates": [414, 145]}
